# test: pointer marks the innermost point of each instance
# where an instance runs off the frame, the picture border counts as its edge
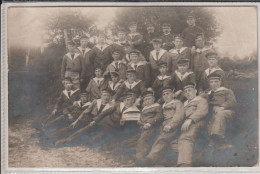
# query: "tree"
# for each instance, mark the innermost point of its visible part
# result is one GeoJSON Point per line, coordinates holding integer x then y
{"type": "Point", "coordinates": [176, 16]}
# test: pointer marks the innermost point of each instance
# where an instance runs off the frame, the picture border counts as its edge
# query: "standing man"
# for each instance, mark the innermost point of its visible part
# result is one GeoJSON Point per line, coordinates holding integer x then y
{"type": "Point", "coordinates": [121, 41]}
{"type": "Point", "coordinates": [173, 114]}
{"type": "Point", "coordinates": [167, 37]}
{"type": "Point", "coordinates": [73, 66]}
{"type": "Point", "coordinates": [134, 38]}
{"type": "Point", "coordinates": [88, 59]}
{"type": "Point", "coordinates": [148, 37]}
{"type": "Point", "coordinates": [199, 61]}
{"type": "Point", "coordinates": [190, 32]}
{"type": "Point", "coordinates": [195, 111]}
{"type": "Point", "coordinates": [102, 53]}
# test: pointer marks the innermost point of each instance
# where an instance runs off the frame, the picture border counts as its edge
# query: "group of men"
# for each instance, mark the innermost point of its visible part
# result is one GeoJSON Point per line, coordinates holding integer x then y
{"type": "Point", "coordinates": [168, 83]}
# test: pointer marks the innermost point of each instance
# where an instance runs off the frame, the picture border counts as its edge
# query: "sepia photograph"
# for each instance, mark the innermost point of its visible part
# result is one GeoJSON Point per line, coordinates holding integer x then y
{"type": "Point", "coordinates": [131, 86]}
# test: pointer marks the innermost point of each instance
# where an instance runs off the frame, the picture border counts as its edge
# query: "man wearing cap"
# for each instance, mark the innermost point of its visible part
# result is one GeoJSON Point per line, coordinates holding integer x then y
{"type": "Point", "coordinates": [151, 116]}
{"type": "Point", "coordinates": [141, 67]}
{"type": "Point", "coordinates": [181, 76]}
{"type": "Point", "coordinates": [195, 112]}
{"type": "Point", "coordinates": [132, 84]}
{"type": "Point", "coordinates": [117, 65]}
{"type": "Point", "coordinates": [167, 37]}
{"type": "Point", "coordinates": [178, 52]}
{"type": "Point", "coordinates": [134, 38]}
{"type": "Point", "coordinates": [148, 37]}
{"type": "Point", "coordinates": [102, 52]}
{"type": "Point", "coordinates": [162, 80]}
{"type": "Point", "coordinates": [88, 58]}
{"type": "Point", "coordinates": [158, 55]}
{"type": "Point", "coordinates": [73, 66]}
{"type": "Point", "coordinates": [212, 58]}
{"type": "Point", "coordinates": [114, 83]}
{"type": "Point", "coordinates": [190, 32]}
{"type": "Point", "coordinates": [126, 57]}
{"type": "Point", "coordinates": [222, 101]}
{"type": "Point", "coordinates": [121, 41]}
{"type": "Point", "coordinates": [173, 114]}
{"type": "Point", "coordinates": [199, 61]}
{"type": "Point", "coordinates": [96, 84]}
{"type": "Point", "coordinates": [97, 106]}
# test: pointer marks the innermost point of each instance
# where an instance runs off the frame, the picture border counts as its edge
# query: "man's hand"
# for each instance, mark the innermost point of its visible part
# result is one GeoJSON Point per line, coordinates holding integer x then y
{"type": "Point", "coordinates": [54, 112]}
{"type": "Point", "coordinates": [217, 109]}
{"type": "Point", "coordinates": [92, 123]}
{"type": "Point", "coordinates": [70, 117]}
{"type": "Point", "coordinates": [178, 93]}
{"type": "Point", "coordinates": [186, 125]}
{"type": "Point", "coordinates": [147, 126]}
{"type": "Point", "coordinates": [137, 102]}
{"type": "Point", "coordinates": [122, 122]}
{"type": "Point", "coordinates": [74, 124]}
{"type": "Point", "coordinates": [167, 128]}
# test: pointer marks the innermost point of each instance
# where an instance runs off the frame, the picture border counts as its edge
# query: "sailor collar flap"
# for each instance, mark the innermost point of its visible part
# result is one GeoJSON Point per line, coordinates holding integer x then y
{"type": "Point", "coordinates": [151, 106]}
{"type": "Point", "coordinates": [103, 47]}
{"type": "Point", "coordinates": [107, 106]}
{"type": "Point", "coordinates": [174, 51]}
{"type": "Point", "coordinates": [213, 70]}
{"type": "Point", "coordinates": [163, 77]}
{"type": "Point", "coordinates": [86, 50]}
{"type": "Point", "coordinates": [76, 55]}
{"type": "Point", "coordinates": [219, 89]}
{"type": "Point", "coordinates": [185, 75]}
{"type": "Point", "coordinates": [161, 53]}
{"type": "Point", "coordinates": [131, 86]}
{"type": "Point", "coordinates": [111, 85]}
{"type": "Point", "coordinates": [65, 92]}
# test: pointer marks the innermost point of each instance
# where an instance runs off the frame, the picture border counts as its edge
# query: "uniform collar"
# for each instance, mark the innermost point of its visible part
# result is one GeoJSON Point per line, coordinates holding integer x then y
{"type": "Point", "coordinates": [87, 49]}
{"type": "Point", "coordinates": [205, 48]}
{"type": "Point", "coordinates": [65, 92]}
{"type": "Point", "coordinates": [75, 56]}
{"type": "Point", "coordinates": [161, 52]}
{"type": "Point", "coordinates": [160, 77]}
{"type": "Point", "coordinates": [99, 101]}
{"type": "Point", "coordinates": [219, 89]}
{"type": "Point", "coordinates": [185, 75]}
{"type": "Point", "coordinates": [167, 104]}
{"type": "Point", "coordinates": [212, 70]}
{"type": "Point", "coordinates": [194, 99]}
{"type": "Point", "coordinates": [96, 79]}
{"type": "Point", "coordinates": [140, 63]}
{"type": "Point", "coordinates": [111, 84]}
{"type": "Point", "coordinates": [131, 86]}
{"type": "Point", "coordinates": [114, 63]}
{"type": "Point", "coordinates": [103, 46]}
{"type": "Point", "coordinates": [174, 51]}
{"type": "Point", "coordinates": [151, 106]}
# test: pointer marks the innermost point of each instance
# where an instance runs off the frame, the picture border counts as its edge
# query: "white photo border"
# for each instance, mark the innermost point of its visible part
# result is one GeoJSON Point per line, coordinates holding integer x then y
{"type": "Point", "coordinates": [4, 94]}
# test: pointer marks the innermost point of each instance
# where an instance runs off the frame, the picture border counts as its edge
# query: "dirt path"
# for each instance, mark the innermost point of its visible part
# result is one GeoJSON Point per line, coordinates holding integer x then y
{"type": "Point", "coordinates": [25, 151]}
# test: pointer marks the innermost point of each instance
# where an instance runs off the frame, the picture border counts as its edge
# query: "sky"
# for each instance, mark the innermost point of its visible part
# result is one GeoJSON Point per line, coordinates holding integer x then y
{"type": "Point", "coordinates": [239, 36]}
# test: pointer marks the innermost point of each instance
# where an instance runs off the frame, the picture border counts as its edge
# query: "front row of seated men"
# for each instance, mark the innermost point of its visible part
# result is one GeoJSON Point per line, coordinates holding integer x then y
{"type": "Point", "coordinates": [179, 113]}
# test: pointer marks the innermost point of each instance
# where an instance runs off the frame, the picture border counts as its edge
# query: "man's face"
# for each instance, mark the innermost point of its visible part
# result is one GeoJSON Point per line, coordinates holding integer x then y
{"type": "Point", "coordinates": [214, 84]}
{"type": "Point", "coordinates": [98, 73]}
{"type": "Point", "coordinates": [101, 39]}
{"type": "Point", "coordinates": [157, 45]}
{"type": "Point", "coordinates": [212, 61]}
{"type": "Point", "coordinates": [131, 77]}
{"type": "Point", "coordinates": [134, 58]}
{"type": "Point", "coordinates": [105, 97]}
{"type": "Point", "coordinates": [83, 99]}
{"type": "Point", "coordinates": [116, 56]}
{"type": "Point", "coordinates": [191, 22]}
{"type": "Point", "coordinates": [71, 48]}
{"type": "Point", "coordinates": [178, 43]}
{"type": "Point", "coordinates": [163, 70]}
{"type": "Point", "coordinates": [150, 29]}
{"type": "Point", "coordinates": [132, 28]}
{"type": "Point", "coordinates": [115, 79]}
{"type": "Point", "coordinates": [121, 36]}
{"type": "Point", "coordinates": [149, 100]}
{"type": "Point", "coordinates": [83, 43]}
{"type": "Point", "coordinates": [167, 96]}
{"type": "Point", "coordinates": [67, 85]}
{"type": "Point", "coordinates": [166, 30]}
{"type": "Point", "coordinates": [183, 68]}
{"type": "Point", "coordinates": [190, 93]}
{"type": "Point", "coordinates": [129, 101]}
{"type": "Point", "coordinates": [200, 42]}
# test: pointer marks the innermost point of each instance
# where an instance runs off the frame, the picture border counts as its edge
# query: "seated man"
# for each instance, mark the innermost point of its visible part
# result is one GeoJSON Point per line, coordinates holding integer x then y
{"type": "Point", "coordinates": [150, 117]}
{"type": "Point", "coordinates": [222, 101]}
{"type": "Point", "coordinates": [173, 114]}
{"type": "Point", "coordinates": [97, 106]}
{"type": "Point", "coordinates": [141, 67]}
{"type": "Point", "coordinates": [114, 83]}
{"type": "Point", "coordinates": [132, 84]}
{"type": "Point", "coordinates": [96, 84]}
{"type": "Point", "coordinates": [66, 99]}
{"type": "Point", "coordinates": [181, 76]}
{"type": "Point", "coordinates": [195, 110]}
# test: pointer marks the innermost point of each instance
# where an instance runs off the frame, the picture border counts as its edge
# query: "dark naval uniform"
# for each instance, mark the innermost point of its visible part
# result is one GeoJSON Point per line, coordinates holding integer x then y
{"type": "Point", "coordinates": [189, 35]}
{"type": "Point", "coordinates": [176, 54]}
